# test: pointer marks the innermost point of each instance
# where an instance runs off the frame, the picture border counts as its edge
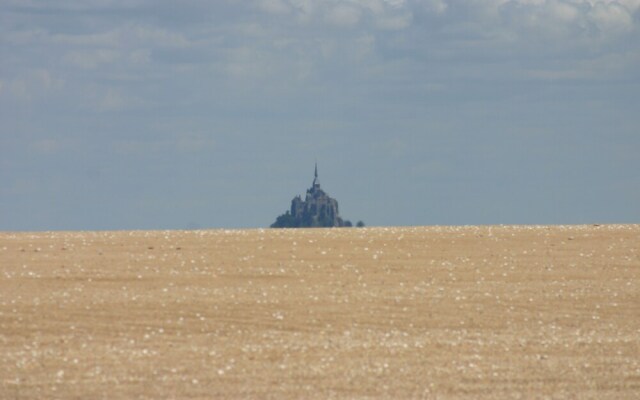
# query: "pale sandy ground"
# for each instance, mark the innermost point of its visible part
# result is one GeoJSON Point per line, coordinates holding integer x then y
{"type": "Point", "coordinates": [437, 312]}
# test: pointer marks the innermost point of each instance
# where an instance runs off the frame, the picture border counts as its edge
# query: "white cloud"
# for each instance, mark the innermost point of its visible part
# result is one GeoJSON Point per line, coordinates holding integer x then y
{"type": "Point", "coordinates": [249, 63]}
{"type": "Point", "coordinates": [33, 84]}
{"type": "Point", "coordinates": [611, 18]}
{"type": "Point", "coordinates": [296, 40]}
{"type": "Point", "coordinates": [145, 35]}
{"type": "Point", "coordinates": [304, 9]}
{"type": "Point", "coordinates": [112, 100]}
{"type": "Point", "coordinates": [122, 36]}
{"type": "Point", "coordinates": [92, 58]}
{"type": "Point", "coordinates": [436, 6]}
{"type": "Point", "coordinates": [396, 3]}
{"type": "Point", "coordinates": [140, 56]}
{"type": "Point", "coordinates": [110, 38]}
{"type": "Point", "coordinates": [550, 18]}
{"type": "Point", "coordinates": [385, 14]}
{"type": "Point", "coordinates": [115, 99]}
{"type": "Point", "coordinates": [343, 15]}
{"type": "Point", "coordinates": [631, 5]}
{"type": "Point", "coordinates": [193, 142]}
{"type": "Point", "coordinates": [601, 68]}
{"type": "Point", "coordinates": [569, 18]}
{"type": "Point", "coordinates": [274, 6]}
{"type": "Point", "coordinates": [394, 22]}
{"type": "Point", "coordinates": [364, 46]}
{"type": "Point", "coordinates": [25, 37]}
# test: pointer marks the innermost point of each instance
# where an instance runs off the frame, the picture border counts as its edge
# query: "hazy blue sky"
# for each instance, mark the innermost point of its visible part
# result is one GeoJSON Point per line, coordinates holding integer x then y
{"type": "Point", "coordinates": [144, 114]}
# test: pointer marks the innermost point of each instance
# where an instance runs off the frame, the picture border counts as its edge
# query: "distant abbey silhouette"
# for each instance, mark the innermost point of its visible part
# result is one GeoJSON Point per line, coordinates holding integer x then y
{"type": "Point", "coordinates": [317, 210]}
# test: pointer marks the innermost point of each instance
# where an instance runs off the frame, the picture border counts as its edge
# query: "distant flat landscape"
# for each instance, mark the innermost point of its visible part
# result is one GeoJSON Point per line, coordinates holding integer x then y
{"type": "Point", "coordinates": [417, 312]}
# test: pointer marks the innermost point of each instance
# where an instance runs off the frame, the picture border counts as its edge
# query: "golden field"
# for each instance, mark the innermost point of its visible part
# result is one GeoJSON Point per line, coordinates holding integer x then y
{"type": "Point", "coordinates": [420, 312]}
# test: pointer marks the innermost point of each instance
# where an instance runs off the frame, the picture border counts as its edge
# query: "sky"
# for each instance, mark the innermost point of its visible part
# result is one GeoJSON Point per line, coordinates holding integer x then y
{"type": "Point", "coordinates": [157, 114]}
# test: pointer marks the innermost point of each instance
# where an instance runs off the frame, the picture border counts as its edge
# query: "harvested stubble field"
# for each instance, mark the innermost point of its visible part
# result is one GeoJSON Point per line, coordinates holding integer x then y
{"type": "Point", "coordinates": [433, 312]}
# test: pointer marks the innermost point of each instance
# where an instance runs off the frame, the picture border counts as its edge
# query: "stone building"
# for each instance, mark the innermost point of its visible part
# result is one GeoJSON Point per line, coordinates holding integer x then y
{"type": "Point", "coordinates": [318, 209]}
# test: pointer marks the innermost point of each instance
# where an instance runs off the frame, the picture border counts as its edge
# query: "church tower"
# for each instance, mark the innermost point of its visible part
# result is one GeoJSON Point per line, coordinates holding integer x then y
{"type": "Point", "coordinates": [317, 209]}
{"type": "Point", "coordinates": [316, 182]}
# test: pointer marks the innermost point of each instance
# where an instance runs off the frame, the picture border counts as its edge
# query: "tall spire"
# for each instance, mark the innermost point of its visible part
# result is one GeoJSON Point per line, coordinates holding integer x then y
{"type": "Point", "coordinates": [316, 183]}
